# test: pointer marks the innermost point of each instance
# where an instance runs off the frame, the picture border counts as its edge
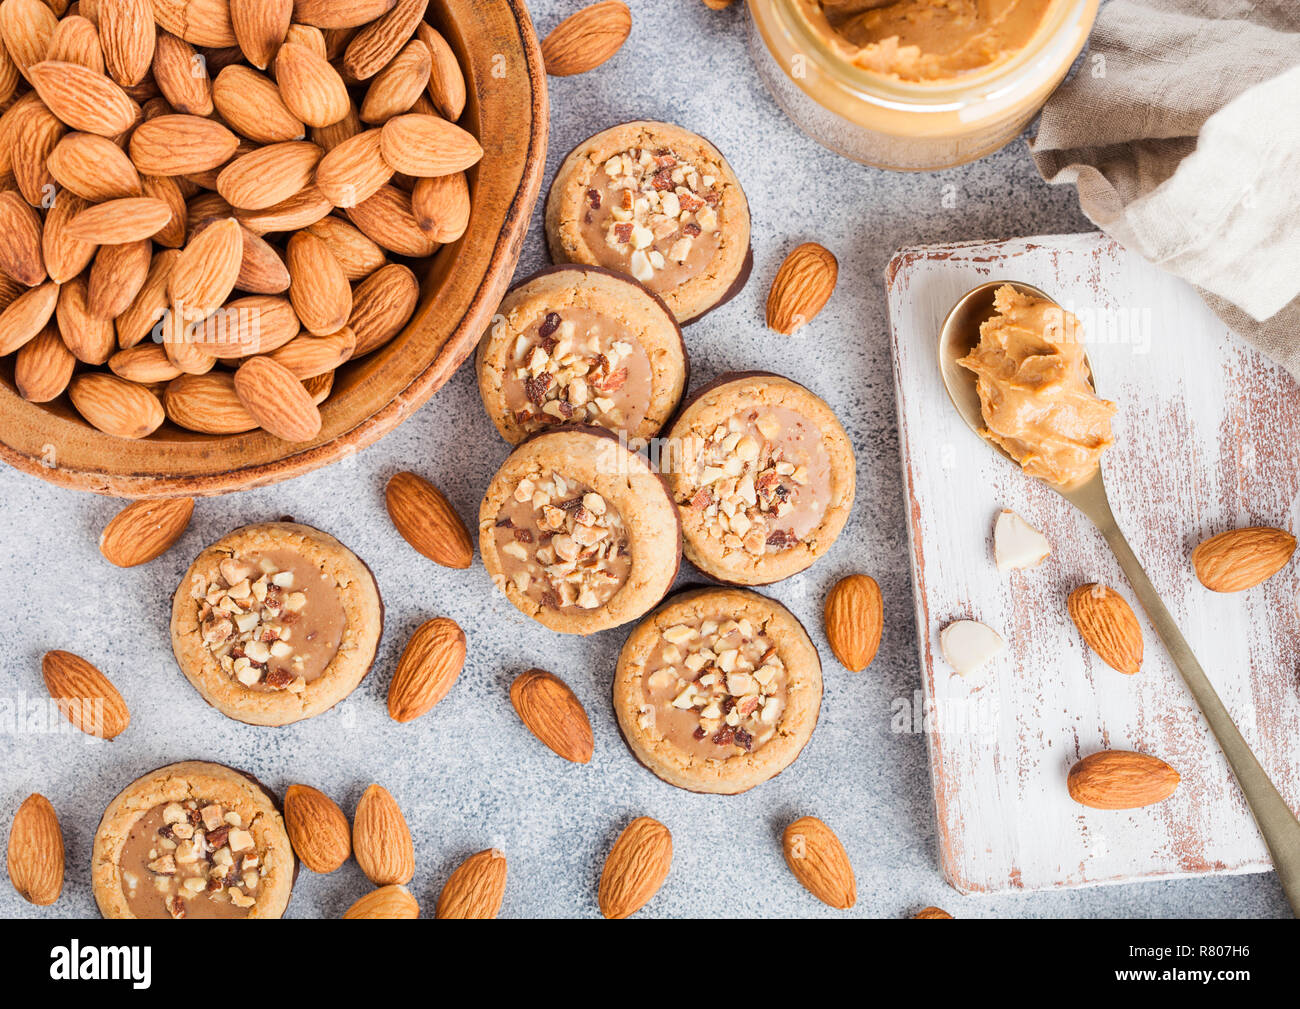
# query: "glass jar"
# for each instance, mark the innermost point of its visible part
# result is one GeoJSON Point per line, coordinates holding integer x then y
{"type": "Point", "coordinates": [886, 122]}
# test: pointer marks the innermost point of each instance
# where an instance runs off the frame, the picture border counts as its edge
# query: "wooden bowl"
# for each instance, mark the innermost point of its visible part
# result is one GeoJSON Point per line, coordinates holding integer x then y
{"type": "Point", "coordinates": [507, 110]}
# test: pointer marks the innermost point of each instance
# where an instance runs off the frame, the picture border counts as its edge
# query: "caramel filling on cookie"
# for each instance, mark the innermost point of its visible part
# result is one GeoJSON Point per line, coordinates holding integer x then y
{"type": "Point", "coordinates": [653, 215]}
{"type": "Point", "coordinates": [715, 688]}
{"type": "Point", "coordinates": [273, 620]}
{"type": "Point", "coordinates": [577, 366]}
{"type": "Point", "coordinates": [561, 544]}
{"type": "Point", "coordinates": [761, 482]}
{"type": "Point", "coordinates": [192, 859]}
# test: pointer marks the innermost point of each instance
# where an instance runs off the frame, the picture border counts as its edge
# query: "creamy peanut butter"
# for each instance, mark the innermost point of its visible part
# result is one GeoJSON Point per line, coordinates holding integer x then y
{"type": "Point", "coordinates": [1035, 394]}
{"type": "Point", "coordinates": [927, 41]}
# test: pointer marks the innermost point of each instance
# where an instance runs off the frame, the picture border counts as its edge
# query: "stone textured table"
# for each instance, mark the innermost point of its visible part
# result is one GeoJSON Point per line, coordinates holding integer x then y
{"type": "Point", "coordinates": [469, 775]}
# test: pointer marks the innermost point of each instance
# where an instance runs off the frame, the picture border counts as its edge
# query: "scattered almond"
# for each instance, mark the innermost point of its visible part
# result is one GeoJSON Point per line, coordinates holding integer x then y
{"type": "Point", "coordinates": [932, 912]}
{"type": "Point", "coordinates": [317, 828]}
{"type": "Point", "coordinates": [84, 695]}
{"type": "Point", "coordinates": [35, 856]}
{"type": "Point", "coordinates": [802, 286]}
{"type": "Point", "coordinates": [426, 520]}
{"type": "Point", "coordinates": [854, 616]}
{"type": "Point", "coordinates": [392, 901]}
{"type": "Point", "coordinates": [144, 530]}
{"type": "Point", "coordinates": [429, 666]}
{"type": "Point", "coordinates": [1242, 558]}
{"type": "Point", "coordinates": [1108, 625]}
{"type": "Point", "coordinates": [1017, 544]}
{"type": "Point", "coordinates": [553, 713]}
{"type": "Point", "coordinates": [381, 840]}
{"type": "Point", "coordinates": [819, 861]}
{"type": "Point", "coordinates": [635, 868]}
{"type": "Point", "coordinates": [476, 887]}
{"type": "Point", "coordinates": [969, 644]}
{"type": "Point", "coordinates": [1121, 779]}
{"type": "Point", "coordinates": [587, 38]}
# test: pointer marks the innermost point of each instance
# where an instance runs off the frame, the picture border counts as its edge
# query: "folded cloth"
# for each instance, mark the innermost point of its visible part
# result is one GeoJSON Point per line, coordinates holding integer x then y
{"type": "Point", "coordinates": [1181, 129]}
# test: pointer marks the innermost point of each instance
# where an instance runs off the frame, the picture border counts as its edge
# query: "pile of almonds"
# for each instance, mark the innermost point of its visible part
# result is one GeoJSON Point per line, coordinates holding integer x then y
{"type": "Point", "coordinates": [199, 200]}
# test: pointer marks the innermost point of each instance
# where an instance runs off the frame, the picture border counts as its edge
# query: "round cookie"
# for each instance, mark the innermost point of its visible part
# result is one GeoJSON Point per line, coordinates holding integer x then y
{"type": "Point", "coordinates": [658, 203]}
{"type": "Point", "coordinates": [579, 532]}
{"type": "Point", "coordinates": [718, 690]}
{"type": "Point", "coordinates": [276, 622]}
{"type": "Point", "coordinates": [581, 345]}
{"type": "Point", "coordinates": [192, 840]}
{"type": "Point", "coordinates": [764, 476]}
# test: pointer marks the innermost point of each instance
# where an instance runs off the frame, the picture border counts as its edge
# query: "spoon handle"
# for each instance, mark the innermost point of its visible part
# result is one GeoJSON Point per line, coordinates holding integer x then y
{"type": "Point", "coordinates": [1276, 822]}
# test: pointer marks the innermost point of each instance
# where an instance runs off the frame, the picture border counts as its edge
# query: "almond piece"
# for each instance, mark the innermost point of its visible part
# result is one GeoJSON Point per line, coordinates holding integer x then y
{"type": "Point", "coordinates": [427, 670]}
{"type": "Point", "coordinates": [310, 87]}
{"type": "Point", "coordinates": [1016, 544]}
{"type": "Point", "coordinates": [269, 175]}
{"type": "Point", "coordinates": [819, 861]}
{"type": "Point", "coordinates": [854, 615]}
{"type": "Point", "coordinates": [116, 277]}
{"type": "Point", "coordinates": [375, 45]}
{"type": "Point", "coordinates": [203, 277]}
{"type": "Point", "coordinates": [354, 170]}
{"type": "Point", "coordinates": [381, 305]}
{"type": "Point", "coordinates": [587, 38]}
{"type": "Point", "coordinates": [35, 855]}
{"type": "Point", "coordinates": [119, 408]}
{"type": "Point", "coordinates": [1242, 558]}
{"type": "Point", "coordinates": [635, 868]}
{"type": "Point", "coordinates": [20, 241]}
{"type": "Point", "coordinates": [446, 79]}
{"type": "Point", "coordinates": [396, 87]}
{"type": "Point", "coordinates": [359, 256]}
{"type": "Point", "coordinates": [182, 76]}
{"type": "Point", "coordinates": [83, 99]}
{"type": "Point", "coordinates": [932, 912]}
{"type": "Point", "coordinates": [260, 26]}
{"type": "Point", "coordinates": [801, 288]}
{"type": "Point", "coordinates": [969, 644]}
{"type": "Point", "coordinates": [310, 356]}
{"type": "Point", "coordinates": [1108, 625]}
{"type": "Point", "coordinates": [43, 367]}
{"type": "Point", "coordinates": [144, 530]}
{"type": "Point", "coordinates": [317, 828]}
{"type": "Point", "coordinates": [553, 713]}
{"type": "Point", "coordinates": [441, 206]}
{"type": "Point", "coordinates": [26, 316]}
{"type": "Point", "coordinates": [202, 22]}
{"type": "Point", "coordinates": [93, 167]}
{"type": "Point", "coordinates": [252, 105]}
{"type": "Point", "coordinates": [426, 146]}
{"type": "Point", "coordinates": [207, 403]}
{"type": "Point", "coordinates": [476, 887]}
{"type": "Point", "coordinates": [385, 902]}
{"type": "Point", "coordinates": [426, 520]}
{"type": "Point", "coordinates": [117, 222]}
{"type": "Point", "coordinates": [271, 393]}
{"type": "Point", "coordinates": [340, 13]}
{"type": "Point", "coordinates": [1121, 779]}
{"type": "Point", "coordinates": [181, 145]}
{"type": "Point", "coordinates": [381, 840]}
{"type": "Point", "coordinates": [127, 34]}
{"type": "Point", "coordinates": [84, 695]}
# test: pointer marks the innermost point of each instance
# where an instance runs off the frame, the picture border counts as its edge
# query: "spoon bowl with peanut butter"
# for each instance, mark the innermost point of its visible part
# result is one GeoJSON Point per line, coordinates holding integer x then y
{"type": "Point", "coordinates": [1014, 365]}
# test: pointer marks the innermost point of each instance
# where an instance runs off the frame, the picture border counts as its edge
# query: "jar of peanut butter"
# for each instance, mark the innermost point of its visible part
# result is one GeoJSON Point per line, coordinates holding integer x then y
{"type": "Point", "coordinates": [915, 85]}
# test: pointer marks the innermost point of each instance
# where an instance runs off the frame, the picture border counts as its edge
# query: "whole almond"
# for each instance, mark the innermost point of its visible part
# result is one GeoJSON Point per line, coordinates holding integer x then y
{"type": "Point", "coordinates": [1121, 779]}
{"type": "Point", "coordinates": [854, 616]}
{"type": "Point", "coordinates": [207, 269]}
{"type": "Point", "coordinates": [381, 840]}
{"type": "Point", "coordinates": [146, 310]}
{"type": "Point", "coordinates": [144, 530]}
{"type": "Point", "coordinates": [127, 33]}
{"type": "Point", "coordinates": [387, 219]}
{"type": "Point", "coordinates": [90, 337]}
{"type": "Point", "coordinates": [181, 145]}
{"type": "Point", "coordinates": [587, 38]}
{"type": "Point", "coordinates": [426, 146]}
{"type": "Point", "coordinates": [260, 26]}
{"type": "Point", "coordinates": [65, 257]}
{"type": "Point", "coordinates": [426, 520]}
{"type": "Point", "coordinates": [429, 666]}
{"type": "Point", "coordinates": [31, 132]}
{"type": "Point", "coordinates": [309, 37]}
{"type": "Point", "coordinates": [1108, 625]}
{"type": "Point", "coordinates": [358, 255]}
{"type": "Point", "coordinates": [183, 347]}
{"type": "Point", "coordinates": [476, 887]}
{"type": "Point", "coordinates": [26, 316]}
{"type": "Point", "coordinates": [801, 288]}
{"type": "Point", "coordinates": [354, 170]}
{"type": "Point", "coordinates": [84, 695]}
{"type": "Point", "coordinates": [932, 912]}
{"type": "Point", "coordinates": [381, 305]}
{"type": "Point", "coordinates": [76, 40]}
{"type": "Point", "coordinates": [115, 407]}
{"type": "Point", "coordinates": [202, 22]}
{"type": "Point", "coordinates": [83, 99]}
{"type": "Point", "coordinates": [271, 393]}
{"type": "Point", "coordinates": [26, 28]}
{"type": "Point", "coordinates": [115, 278]}
{"type": "Point", "coordinates": [553, 713]}
{"type": "Point", "coordinates": [93, 167]}
{"type": "Point", "coordinates": [35, 855]}
{"type": "Point", "coordinates": [385, 902]}
{"type": "Point", "coordinates": [20, 240]}
{"type": "Point", "coordinates": [340, 13]}
{"type": "Point", "coordinates": [252, 105]}
{"type": "Point", "coordinates": [395, 88]}
{"type": "Point", "coordinates": [635, 868]}
{"type": "Point", "coordinates": [117, 222]}
{"type": "Point", "coordinates": [254, 324]}
{"type": "Point", "coordinates": [311, 88]}
{"type": "Point", "coordinates": [819, 861]}
{"type": "Point", "coordinates": [310, 356]}
{"type": "Point", "coordinates": [145, 363]}
{"type": "Point", "coordinates": [207, 403]}
{"type": "Point", "coordinates": [269, 175]}
{"type": "Point", "coordinates": [317, 828]}
{"type": "Point", "coordinates": [446, 79]}
{"type": "Point", "coordinates": [375, 45]}
{"type": "Point", "coordinates": [299, 211]}
{"type": "Point", "coordinates": [261, 270]}
{"type": "Point", "coordinates": [43, 366]}
{"type": "Point", "coordinates": [319, 387]}
{"type": "Point", "coordinates": [182, 76]}
{"type": "Point", "coordinates": [1242, 558]}
{"type": "Point", "coordinates": [441, 206]}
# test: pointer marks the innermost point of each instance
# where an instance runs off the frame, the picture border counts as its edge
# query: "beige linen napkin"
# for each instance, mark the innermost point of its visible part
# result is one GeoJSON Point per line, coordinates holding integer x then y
{"type": "Point", "coordinates": [1181, 129]}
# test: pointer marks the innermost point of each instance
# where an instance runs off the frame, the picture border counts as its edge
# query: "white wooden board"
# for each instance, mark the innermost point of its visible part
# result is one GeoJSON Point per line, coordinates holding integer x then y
{"type": "Point", "coordinates": [1208, 438]}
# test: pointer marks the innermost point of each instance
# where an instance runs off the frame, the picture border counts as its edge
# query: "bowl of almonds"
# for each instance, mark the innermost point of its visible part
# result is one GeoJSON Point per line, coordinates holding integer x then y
{"type": "Point", "coordinates": [240, 239]}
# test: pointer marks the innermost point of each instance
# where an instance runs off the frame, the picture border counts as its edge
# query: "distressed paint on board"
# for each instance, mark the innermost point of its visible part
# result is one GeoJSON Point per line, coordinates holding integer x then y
{"type": "Point", "coordinates": [1208, 438]}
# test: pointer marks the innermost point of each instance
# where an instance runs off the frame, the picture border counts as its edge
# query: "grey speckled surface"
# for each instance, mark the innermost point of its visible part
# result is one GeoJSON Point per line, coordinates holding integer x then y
{"type": "Point", "coordinates": [468, 775]}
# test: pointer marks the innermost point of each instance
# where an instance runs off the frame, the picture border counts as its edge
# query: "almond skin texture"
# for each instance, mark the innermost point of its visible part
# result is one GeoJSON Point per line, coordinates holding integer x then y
{"type": "Point", "coordinates": [802, 286]}
{"type": "Point", "coordinates": [635, 868]}
{"type": "Point", "coordinates": [1242, 558]}
{"type": "Point", "coordinates": [251, 103]}
{"type": "Point", "coordinates": [387, 219]}
{"type": "Point", "coordinates": [182, 76]}
{"type": "Point", "coordinates": [144, 530]}
{"type": "Point", "coordinates": [271, 393]}
{"type": "Point", "coordinates": [819, 861]}
{"type": "Point", "coordinates": [586, 39]}
{"type": "Point", "coordinates": [427, 521]}
{"type": "Point", "coordinates": [85, 696]}
{"type": "Point", "coordinates": [427, 670]}
{"type": "Point", "coordinates": [202, 22]}
{"type": "Point", "coordinates": [396, 87]}
{"type": "Point", "coordinates": [93, 167]}
{"type": "Point", "coordinates": [311, 356]}
{"type": "Point", "coordinates": [317, 828]}
{"type": "Point", "coordinates": [381, 840]}
{"type": "Point", "coordinates": [65, 257]}
{"type": "Point", "coordinates": [426, 146]}
{"type": "Point", "coordinates": [375, 45]}
{"type": "Point", "coordinates": [1108, 625]}
{"type": "Point", "coordinates": [35, 855]}
{"type": "Point", "coordinates": [119, 408]}
{"type": "Point", "coordinates": [340, 13]}
{"type": "Point", "coordinates": [385, 902]}
{"type": "Point", "coordinates": [854, 621]}
{"type": "Point", "coordinates": [1121, 779]}
{"type": "Point", "coordinates": [26, 316]}
{"type": "Point", "coordinates": [27, 27]}
{"type": "Point", "coordinates": [553, 713]}
{"type": "Point", "coordinates": [476, 887]}
{"type": "Point", "coordinates": [205, 274]}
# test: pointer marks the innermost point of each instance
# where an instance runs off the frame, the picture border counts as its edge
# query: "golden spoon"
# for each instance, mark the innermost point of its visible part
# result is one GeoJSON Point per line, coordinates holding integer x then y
{"type": "Point", "coordinates": [1279, 826]}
